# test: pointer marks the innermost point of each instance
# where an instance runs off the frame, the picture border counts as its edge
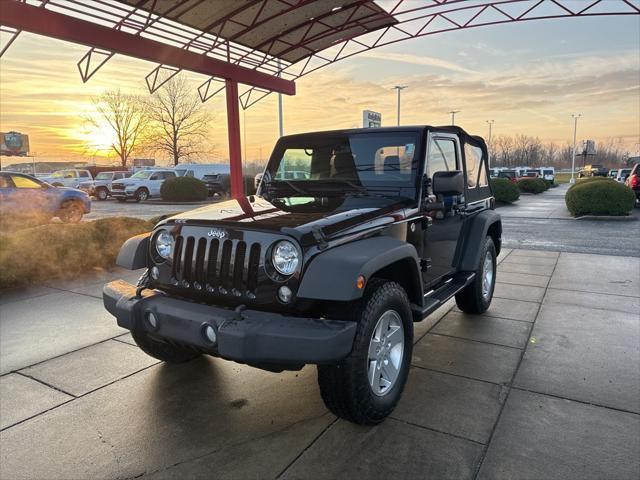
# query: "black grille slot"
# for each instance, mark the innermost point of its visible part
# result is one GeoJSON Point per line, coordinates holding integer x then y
{"type": "Point", "coordinates": [199, 262]}
{"type": "Point", "coordinates": [216, 266]}
{"type": "Point", "coordinates": [225, 267]}
{"type": "Point", "coordinates": [212, 270]}
{"type": "Point", "coordinates": [187, 260]}
{"type": "Point", "coordinates": [177, 255]}
{"type": "Point", "coordinates": [252, 270]}
{"type": "Point", "coordinates": [238, 266]}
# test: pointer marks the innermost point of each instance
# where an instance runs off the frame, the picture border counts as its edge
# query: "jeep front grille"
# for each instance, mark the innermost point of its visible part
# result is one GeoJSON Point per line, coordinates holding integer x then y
{"type": "Point", "coordinates": [217, 266]}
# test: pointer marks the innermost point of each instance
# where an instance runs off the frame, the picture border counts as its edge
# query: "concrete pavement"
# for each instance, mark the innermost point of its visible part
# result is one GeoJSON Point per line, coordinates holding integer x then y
{"type": "Point", "coordinates": [544, 385]}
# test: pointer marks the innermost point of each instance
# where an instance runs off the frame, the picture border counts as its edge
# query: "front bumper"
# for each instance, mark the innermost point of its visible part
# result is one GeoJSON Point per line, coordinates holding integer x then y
{"type": "Point", "coordinates": [247, 336]}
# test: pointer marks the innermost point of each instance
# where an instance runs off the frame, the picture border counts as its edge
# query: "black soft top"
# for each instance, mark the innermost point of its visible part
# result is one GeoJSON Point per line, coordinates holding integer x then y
{"type": "Point", "coordinates": [464, 136]}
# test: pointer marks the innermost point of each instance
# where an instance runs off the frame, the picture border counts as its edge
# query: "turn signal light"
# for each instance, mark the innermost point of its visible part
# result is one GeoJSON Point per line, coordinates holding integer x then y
{"type": "Point", "coordinates": [360, 282]}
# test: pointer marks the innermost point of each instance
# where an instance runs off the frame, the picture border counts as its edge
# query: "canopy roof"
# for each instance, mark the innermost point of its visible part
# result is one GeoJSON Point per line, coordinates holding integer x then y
{"type": "Point", "coordinates": [286, 29]}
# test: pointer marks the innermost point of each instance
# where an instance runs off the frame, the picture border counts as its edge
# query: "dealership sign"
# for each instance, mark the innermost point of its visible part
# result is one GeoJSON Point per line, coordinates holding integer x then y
{"type": "Point", "coordinates": [14, 143]}
{"type": "Point", "coordinates": [371, 119]}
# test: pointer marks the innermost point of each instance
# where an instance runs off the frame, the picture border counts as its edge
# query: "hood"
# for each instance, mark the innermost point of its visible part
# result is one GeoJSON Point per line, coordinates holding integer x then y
{"type": "Point", "coordinates": [301, 216]}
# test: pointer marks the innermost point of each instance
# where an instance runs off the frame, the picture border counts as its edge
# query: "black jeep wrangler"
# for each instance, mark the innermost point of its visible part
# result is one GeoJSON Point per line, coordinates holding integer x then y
{"type": "Point", "coordinates": [330, 270]}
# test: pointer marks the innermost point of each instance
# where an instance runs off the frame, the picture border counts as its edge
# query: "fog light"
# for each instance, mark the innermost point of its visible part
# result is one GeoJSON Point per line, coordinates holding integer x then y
{"type": "Point", "coordinates": [210, 333]}
{"type": "Point", "coordinates": [285, 294]}
{"type": "Point", "coordinates": [155, 273]}
{"type": "Point", "coordinates": [152, 320]}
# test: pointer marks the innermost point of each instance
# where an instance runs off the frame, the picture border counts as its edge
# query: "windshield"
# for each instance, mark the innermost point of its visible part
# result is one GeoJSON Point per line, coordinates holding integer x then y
{"type": "Point", "coordinates": [104, 176]}
{"type": "Point", "coordinates": [142, 174]}
{"type": "Point", "coordinates": [60, 173]}
{"type": "Point", "coordinates": [355, 162]}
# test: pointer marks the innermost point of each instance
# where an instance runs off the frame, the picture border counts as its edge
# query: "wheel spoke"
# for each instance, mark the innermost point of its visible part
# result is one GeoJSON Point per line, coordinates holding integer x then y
{"type": "Point", "coordinates": [374, 346]}
{"type": "Point", "coordinates": [389, 370]}
{"type": "Point", "coordinates": [372, 373]}
{"type": "Point", "coordinates": [395, 336]}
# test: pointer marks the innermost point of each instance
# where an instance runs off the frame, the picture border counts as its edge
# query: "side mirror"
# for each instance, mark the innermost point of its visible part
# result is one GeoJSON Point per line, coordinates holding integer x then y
{"type": "Point", "coordinates": [448, 183]}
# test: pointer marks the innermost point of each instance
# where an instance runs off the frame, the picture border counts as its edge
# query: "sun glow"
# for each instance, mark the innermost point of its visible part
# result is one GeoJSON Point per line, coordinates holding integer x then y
{"type": "Point", "coordinates": [98, 138]}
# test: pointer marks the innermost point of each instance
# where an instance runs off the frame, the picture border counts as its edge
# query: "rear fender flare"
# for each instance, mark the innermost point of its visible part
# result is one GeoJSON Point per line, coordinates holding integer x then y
{"type": "Point", "coordinates": [476, 229]}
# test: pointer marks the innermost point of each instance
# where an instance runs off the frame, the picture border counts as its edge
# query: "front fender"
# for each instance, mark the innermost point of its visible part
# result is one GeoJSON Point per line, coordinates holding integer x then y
{"type": "Point", "coordinates": [133, 254]}
{"type": "Point", "coordinates": [332, 275]}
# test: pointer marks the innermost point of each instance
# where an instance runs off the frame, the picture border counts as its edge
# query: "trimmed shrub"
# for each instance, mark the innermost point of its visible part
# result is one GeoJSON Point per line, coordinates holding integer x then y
{"type": "Point", "coordinates": [504, 191]}
{"type": "Point", "coordinates": [532, 185]}
{"type": "Point", "coordinates": [70, 250]}
{"type": "Point", "coordinates": [604, 197]}
{"type": "Point", "coordinates": [184, 189]}
{"type": "Point", "coordinates": [582, 181]}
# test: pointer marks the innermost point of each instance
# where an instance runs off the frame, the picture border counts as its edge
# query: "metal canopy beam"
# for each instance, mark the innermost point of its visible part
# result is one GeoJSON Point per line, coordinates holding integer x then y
{"type": "Point", "coordinates": [40, 21]}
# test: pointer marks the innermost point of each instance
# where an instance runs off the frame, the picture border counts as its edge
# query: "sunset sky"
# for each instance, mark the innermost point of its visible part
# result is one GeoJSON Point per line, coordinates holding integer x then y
{"type": "Point", "coordinates": [528, 77]}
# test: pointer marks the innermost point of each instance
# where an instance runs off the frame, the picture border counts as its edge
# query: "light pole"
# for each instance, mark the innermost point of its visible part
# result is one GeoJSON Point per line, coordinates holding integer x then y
{"type": "Point", "coordinates": [573, 158]}
{"type": "Point", "coordinates": [280, 119]}
{"type": "Point", "coordinates": [490, 123]}
{"type": "Point", "coordinates": [453, 116]}
{"type": "Point", "coordinates": [399, 88]}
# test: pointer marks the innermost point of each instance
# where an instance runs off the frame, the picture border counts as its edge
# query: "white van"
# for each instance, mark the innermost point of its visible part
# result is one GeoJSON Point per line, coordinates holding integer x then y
{"type": "Point", "coordinates": [199, 170]}
{"type": "Point", "coordinates": [548, 173]}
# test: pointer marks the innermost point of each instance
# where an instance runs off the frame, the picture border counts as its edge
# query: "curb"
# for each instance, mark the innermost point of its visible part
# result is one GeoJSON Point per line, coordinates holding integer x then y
{"type": "Point", "coordinates": [601, 218]}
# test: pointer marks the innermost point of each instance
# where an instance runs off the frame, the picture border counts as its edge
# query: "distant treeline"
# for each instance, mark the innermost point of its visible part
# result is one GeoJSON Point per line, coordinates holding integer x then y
{"type": "Point", "coordinates": [522, 150]}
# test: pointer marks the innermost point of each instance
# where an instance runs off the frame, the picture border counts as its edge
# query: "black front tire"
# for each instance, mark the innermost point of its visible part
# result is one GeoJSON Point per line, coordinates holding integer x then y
{"type": "Point", "coordinates": [345, 387]}
{"type": "Point", "coordinates": [102, 194]}
{"type": "Point", "coordinates": [142, 195]}
{"type": "Point", "coordinates": [472, 299]}
{"type": "Point", "coordinates": [71, 212]}
{"type": "Point", "coordinates": [163, 351]}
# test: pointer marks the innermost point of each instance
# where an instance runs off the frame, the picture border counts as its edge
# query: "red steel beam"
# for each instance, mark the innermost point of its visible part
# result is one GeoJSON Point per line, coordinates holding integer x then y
{"type": "Point", "coordinates": [64, 27]}
{"type": "Point", "coordinates": [235, 145]}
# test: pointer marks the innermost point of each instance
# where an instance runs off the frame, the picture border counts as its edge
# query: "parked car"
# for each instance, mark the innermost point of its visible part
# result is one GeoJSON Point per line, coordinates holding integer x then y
{"type": "Point", "coordinates": [548, 174]}
{"type": "Point", "coordinates": [102, 185]}
{"type": "Point", "coordinates": [528, 174]}
{"type": "Point", "coordinates": [199, 170]}
{"type": "Point", "coordinates": [141, 185]}
{"type": "Point", "coordinates": [330, 270]}
{"type": "Point", "coordinates": [71, 177]}
{"type": "Point", "coordinates": [24, 196]}
{"type": "Point", "coordinates": [218, 184]}
{"type": "Point", "coordinates": [622, 174]}
{"type": "Point", "coordinates": [613, 173]}
{"type": "Point", "coordinates": [633, 181]}
{"type": "Point", "coordinates": [593, 171]}
{"type": "Point", "coordinates": [509, 175]}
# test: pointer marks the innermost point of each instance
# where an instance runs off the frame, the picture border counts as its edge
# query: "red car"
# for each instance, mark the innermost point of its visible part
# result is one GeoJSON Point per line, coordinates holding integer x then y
{"type": "Point", "coordinates": [633, 181]}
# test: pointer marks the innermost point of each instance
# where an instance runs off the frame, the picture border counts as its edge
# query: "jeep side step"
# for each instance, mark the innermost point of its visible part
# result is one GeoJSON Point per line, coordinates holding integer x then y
{"type": "Point", "coordinates": [435, 298]}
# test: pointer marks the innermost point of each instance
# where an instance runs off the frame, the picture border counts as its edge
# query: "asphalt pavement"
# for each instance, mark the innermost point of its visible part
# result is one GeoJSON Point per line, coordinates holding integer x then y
{"type": "Point", "coordinates": [542, 222]}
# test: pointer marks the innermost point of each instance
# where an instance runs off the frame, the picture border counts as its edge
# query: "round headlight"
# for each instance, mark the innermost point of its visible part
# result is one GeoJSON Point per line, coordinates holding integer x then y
{"type": "Point", "coordinates": [164, 244]}
{"type": "Point", "coordinates": [285, 257]}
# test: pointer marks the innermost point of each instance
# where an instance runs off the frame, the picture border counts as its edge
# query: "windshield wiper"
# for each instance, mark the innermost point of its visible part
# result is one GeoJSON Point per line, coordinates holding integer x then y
{"type": "Point", "coordinates": [293, 186]}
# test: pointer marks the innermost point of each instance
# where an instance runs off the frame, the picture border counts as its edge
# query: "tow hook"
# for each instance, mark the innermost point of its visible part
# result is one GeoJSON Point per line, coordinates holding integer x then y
{"type": "Point", "coordinates": [142, 284]}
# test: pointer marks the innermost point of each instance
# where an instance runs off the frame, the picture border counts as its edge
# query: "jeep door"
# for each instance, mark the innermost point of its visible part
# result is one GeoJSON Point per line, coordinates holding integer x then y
{"type": "Point", "coordinates": [444, 211]}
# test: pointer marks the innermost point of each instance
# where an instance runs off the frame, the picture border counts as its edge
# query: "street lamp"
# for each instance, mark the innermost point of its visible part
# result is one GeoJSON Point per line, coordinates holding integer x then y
{"type": "Point", "coordinates": [398, 88]}
{"type": "Point", "coordinates": [490, 123]}
{"type": "Point", "coordinates": [573, 159]}
{"type": "Point", "coordinates": [453, 116]}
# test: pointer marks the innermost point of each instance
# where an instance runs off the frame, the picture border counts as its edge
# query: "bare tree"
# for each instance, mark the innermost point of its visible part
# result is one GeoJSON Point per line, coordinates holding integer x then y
{"type": "Point", "coordinates": [125, 115]}
{"type": "Point", "coordinates": [179, 121]}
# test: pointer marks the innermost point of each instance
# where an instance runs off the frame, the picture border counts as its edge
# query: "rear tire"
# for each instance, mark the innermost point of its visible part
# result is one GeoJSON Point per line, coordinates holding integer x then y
{"type": "Point", "coordinates": [71, 212]}
{"type": "Point", "coordinates": [365, 387]}
{"type": "Point", "coordinates": [476, 297]}
{"type": "Point", "coordinates": [163, 351]}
